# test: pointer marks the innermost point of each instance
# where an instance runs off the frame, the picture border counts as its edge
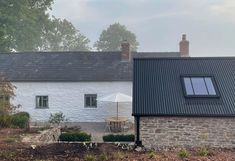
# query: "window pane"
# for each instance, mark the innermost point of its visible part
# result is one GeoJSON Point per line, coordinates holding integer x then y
{"type": "Point", "coordinates": [37, 101]}
{"type": "Point", "coordinates": [210, 86]}
{"type": "Point", "coordinates": [199, 86]}
{"type": "Point", "coordinates": [93, 101]}
{"type": "Point", "coordinates": [87, 101]}
{"type": "Point", "coordinates": [40, 102]}
{"type": "Point", "coordinates": [45, 101]}
{"type": "Point", "coordinates": [188, 86]}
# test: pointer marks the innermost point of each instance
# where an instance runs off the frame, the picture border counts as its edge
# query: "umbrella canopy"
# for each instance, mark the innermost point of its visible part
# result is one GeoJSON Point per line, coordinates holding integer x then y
{"type": "Point", "coordinates": [117, 98]}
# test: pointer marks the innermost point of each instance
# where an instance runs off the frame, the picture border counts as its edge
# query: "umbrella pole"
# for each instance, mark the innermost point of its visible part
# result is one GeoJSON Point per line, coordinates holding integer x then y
{"type": "Point", "coordinates": [117, 110]}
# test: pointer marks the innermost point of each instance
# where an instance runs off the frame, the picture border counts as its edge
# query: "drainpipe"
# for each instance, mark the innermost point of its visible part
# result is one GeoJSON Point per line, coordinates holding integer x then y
{"type": "Point", "coordinates": [138, 142]}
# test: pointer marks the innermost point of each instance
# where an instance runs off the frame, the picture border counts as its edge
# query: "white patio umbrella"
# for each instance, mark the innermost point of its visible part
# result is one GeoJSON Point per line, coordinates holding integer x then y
{"type": "Point", "coordinates": [117, 98]}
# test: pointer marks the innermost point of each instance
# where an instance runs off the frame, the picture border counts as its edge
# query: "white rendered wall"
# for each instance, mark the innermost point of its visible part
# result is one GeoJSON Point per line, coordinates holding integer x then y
{"type": "Point", "coordinates": [68, 97]}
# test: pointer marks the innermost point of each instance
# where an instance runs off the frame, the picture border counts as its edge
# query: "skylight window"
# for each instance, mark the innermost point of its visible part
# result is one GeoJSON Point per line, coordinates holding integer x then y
{"type": "Point", "coordinates": [199, 86]}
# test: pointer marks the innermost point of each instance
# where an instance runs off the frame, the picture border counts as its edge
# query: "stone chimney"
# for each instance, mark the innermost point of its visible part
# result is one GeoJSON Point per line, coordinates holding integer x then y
{"type": "Point", "coordinates": [184, 46]}
{"type": "Point", "coordinates": [125, 51]}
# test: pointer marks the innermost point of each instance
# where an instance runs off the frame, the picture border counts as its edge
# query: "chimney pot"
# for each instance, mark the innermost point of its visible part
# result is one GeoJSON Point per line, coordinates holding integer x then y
{"type": "Point", "coordinates": [125, 50]}
{"type": "Point", "coordinates": [184, 46]}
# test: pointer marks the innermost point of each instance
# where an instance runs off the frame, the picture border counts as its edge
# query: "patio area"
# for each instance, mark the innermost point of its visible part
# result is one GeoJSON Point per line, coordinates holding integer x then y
{"type": "Point", "coordinates": [97, 130]}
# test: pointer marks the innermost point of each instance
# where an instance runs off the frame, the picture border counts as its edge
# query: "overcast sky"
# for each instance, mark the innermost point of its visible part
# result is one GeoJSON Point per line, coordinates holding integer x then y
{"type": "Point", "coordinates": [158, 24]}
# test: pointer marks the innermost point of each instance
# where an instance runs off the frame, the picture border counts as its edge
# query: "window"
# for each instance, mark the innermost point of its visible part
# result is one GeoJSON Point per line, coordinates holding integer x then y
{"type": "Point", "coordinates": [90, 100]}
{"type": "Point", "coordinates": [195, 86]}
{"type": "Point", "coordinates": [41, 101]}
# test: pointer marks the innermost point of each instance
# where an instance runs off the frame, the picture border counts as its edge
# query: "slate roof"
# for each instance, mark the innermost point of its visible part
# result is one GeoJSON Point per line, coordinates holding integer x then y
{"type": "Point", "coordinates": [68, 66]}
{"type": "Point", "coordinates": [157, 87]}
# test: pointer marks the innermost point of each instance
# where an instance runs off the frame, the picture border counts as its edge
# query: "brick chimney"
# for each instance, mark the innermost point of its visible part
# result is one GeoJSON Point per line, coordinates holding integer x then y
{"type": "Point", "coordinates": [184, 46]}
{"type": "Point", "coordinates": [125, 51]}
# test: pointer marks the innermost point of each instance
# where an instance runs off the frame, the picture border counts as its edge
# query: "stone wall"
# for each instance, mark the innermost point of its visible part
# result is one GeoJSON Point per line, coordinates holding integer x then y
{"type": "Point", "coordinates": [158, 132]}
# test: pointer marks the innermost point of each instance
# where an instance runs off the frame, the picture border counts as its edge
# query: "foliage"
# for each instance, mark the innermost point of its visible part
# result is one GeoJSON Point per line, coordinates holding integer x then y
{"type": "Point", "coordinates": [6, 93]}
{"type": "Point", "coordinates": [63, 36]}
{"type": "Point", "coordinates": [203, 151]}
{"type": "Point", "coordinates": [103, 157]}
{"type": "Point", "coordinates": [115, 138]}
{"type": "Point", "coordinates": [152, 155]}
{"type": "Point", "coordinates": [183, 153]}
{"type": "Point", "coordinates": [22, 24]}
{"type": "Point", "coordinates": [89, 157]}
{"type": "Point", "coordinates": [56, 118]}
{"type": "Point", "coordinates": [111, 38]}
{"type": "Point", "coordinates": [81, 136]}
{"type": "Point", "coordinates": [5, 121]}
{"type": "Point", "coordinates": [7, 109]}
{"type": "Point", "coordinates": [20, 120]}
{"type": "Point", "coordinates": [120, 156]}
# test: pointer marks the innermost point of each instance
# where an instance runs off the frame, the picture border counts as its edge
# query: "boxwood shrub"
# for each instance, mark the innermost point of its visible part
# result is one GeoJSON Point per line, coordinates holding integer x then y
{"type": "Point", "coordinates": [119, 138]}
{"type": "Point", "coordinates": [74, 136]}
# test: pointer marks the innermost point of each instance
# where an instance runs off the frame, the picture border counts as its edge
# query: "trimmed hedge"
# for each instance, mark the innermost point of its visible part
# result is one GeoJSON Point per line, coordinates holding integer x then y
{"type": "Point", "coordinates": [119, 138]}
{"type": "Point", "coordinates": [73, 136]}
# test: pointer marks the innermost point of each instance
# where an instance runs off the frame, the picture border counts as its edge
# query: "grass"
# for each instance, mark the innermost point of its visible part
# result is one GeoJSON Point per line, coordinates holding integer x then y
{"type": "Point", "coordinates": [203, 152]}
{"type": "Point", "coordinates": [120, 156]}
{"type": "Point", "coordinates": [183, 153]}
{"type": "Point", "coordinates": [10, 140]}
{"type": "Point", "coordinates": [89, 157]}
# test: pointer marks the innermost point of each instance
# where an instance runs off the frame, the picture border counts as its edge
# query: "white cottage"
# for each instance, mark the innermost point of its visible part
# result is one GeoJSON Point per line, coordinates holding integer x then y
{"type": "Point", "coordinates": [70, 82]}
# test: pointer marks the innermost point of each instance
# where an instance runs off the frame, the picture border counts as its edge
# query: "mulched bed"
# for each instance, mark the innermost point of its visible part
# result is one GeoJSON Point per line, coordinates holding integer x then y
{"type": "Point", "coordinates": [15, 150]}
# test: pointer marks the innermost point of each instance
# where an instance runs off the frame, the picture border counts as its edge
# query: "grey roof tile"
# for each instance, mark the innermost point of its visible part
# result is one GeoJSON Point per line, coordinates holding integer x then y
{"type": "Point", "coordinates": [67, 66]}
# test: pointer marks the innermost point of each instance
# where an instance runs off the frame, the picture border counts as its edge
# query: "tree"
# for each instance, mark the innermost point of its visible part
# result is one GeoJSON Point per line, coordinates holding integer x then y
{"type": "Point", "coordinates": [111, 38]}
{"type": "Point", "coordinates": [22, 23]}
{"type": "Point", "coordinates": [6, 93]}
{"type": "Point", "coordinates": [63, 36]}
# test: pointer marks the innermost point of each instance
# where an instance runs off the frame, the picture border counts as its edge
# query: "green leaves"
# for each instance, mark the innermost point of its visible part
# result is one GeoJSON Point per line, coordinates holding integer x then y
{"type": "Point", "coordinates": [22, 23]}
{"type": "Point", "coordinates": [63, 36]}
{"type": "Point", "coordinates": [111, 38]}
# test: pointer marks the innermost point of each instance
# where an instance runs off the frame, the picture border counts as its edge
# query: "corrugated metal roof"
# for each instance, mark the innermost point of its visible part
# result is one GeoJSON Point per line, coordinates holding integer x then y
{"type": "Point", "coordinates": [68, 66]}
{"type": "Point", "coordinates": [157, 88]}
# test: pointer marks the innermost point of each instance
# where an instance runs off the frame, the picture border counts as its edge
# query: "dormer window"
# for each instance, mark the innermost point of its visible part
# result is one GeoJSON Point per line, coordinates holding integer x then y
{"type": "Point", "coordinates": [199, 86]}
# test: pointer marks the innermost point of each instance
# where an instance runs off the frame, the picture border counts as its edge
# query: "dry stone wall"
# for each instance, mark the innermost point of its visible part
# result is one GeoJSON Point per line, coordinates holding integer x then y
{"type": "Point", "coordinates": [158, 132]}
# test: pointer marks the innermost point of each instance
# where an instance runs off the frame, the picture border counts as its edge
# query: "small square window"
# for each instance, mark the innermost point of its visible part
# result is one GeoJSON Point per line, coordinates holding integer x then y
{"type": "Point", "coordinates": [41, 101]}
{"type": "Point", "coordinates": [199, 86]}
{"type": "Point", "coordinates": [90, 100]}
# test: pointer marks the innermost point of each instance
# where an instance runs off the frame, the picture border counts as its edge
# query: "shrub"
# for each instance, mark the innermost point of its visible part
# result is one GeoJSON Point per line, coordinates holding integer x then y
{"type": "Point", "coordinates": [203, 151]}
{"type": "Point", "coordinates": [114, 138]}
{"type": "Point", "coordinates": [20, 120]}
{"type": "Point", "coordinates": [183, 153]}
{"type": "Point", "coordinates": [5, 121]}
{"type": "Point", "coordinates": [56, 118]}
{"type": "Point", "coordinates": [89, 157]}
{"type": "Point", "coordinates": [81, 136]}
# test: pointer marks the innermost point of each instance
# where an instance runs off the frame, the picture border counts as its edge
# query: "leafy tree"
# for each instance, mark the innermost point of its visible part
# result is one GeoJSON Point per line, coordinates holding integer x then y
{"type": "Point", "coordinates": [111, 38]}
{"type": "Point", "coordinates": [22, 23]}
{"type": "Point", "coordinates": [6, 93]}
{"type": "Point", "coordinates": [63, 36]}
